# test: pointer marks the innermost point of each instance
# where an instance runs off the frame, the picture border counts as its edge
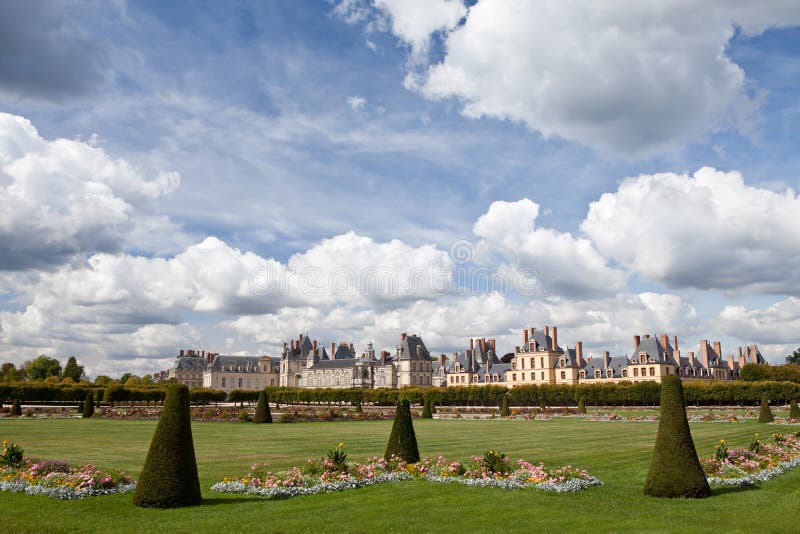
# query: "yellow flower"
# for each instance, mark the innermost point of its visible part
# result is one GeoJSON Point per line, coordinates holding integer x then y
{"type": "Point", "coordinates": [341, 444]}
{"type": "Point", "coordinates": [722, 441]}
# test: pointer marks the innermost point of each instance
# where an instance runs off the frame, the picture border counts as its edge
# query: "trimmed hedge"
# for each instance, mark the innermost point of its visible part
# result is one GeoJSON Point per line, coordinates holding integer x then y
{"type": "Point", "coordinates": [169, 477]}
{"type": "Point", "coordinates": [794, 411]}
{"type": "Point", "coordinates": [88, 406]}
{"type": "Point", "coordinates": [504, 409]}
{"type": "Point", "coordinates": [765, 414]}
{"type": "Point", "coordinates": [426, 408]}
{"type": "Point", "coordinates": [675, 470]}
{"type": "Point", "coordinates": [16, 409]}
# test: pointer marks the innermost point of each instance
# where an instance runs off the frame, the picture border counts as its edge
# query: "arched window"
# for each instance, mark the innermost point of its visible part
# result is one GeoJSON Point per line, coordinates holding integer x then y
{"type": "Point", "coordinates": [597, 373]}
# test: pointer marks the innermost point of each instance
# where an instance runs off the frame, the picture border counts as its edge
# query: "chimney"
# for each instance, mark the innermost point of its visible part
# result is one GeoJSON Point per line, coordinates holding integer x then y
{"type": "Point", "coordinates": [442, 359]}
{"type": "Point", "coordinates": [402, 337]}
{"type": "Point", "coordinates": [636, 341]}
{"type": "Point", "coordinates": [691, 358]}
{"type": "Point", "coordinates": [740, 353]}
{"type": "Point", "coordinates": [384, 354]}
{"type": "Point", "coordinates": [718, 350]}
{"type": "Point", "coordinates": [352, 350]}
{"type": "Point", "coordinates": [314, 347]}
{"type": "Point", "coordinates": [731, 365]}
{"type": "Point", "coordinates": [704, 352]}
{"type": "Point", "coordinates": [299, 339]}
{"type": "Point", "coordinates": [605, 360]}
{"type": "Point", "coordinates": [471, 344]}
{"type": "Point", "coordinates": [664, 341]}
{"type": "Point", "coordinates": [181, 352]}
{"type": "Point", "coordinates": [492, 344]}
{"type": "Point", "coordinates": [546, 330]}
{"type": "Point", "coordinates": [525, 337]}
{"type": "Point", "coordinates": [204, 354]}
{"type": "Point", "coordinates": [675, 342]}
{"type": "Point", "coordinates": [472, 362]}
{"type": "Point", "coordinates": [292, 342]}
{"type": "Point", "coordinates": [579, 352]}
{"type": "Point", "coordinates": [333, 350]}
{"type": "Point", "coordinates": [483, 345]}
{"type": "Point", "coordinates": [555, 338]}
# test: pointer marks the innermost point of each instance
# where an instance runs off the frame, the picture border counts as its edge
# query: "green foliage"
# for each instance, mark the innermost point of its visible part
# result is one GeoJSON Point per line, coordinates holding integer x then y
{"type": "Point", "coordinates": [402, 440]}
{"type": "Point", "coordinates": [206, 395]}
{"type": "Point", "coordinates": [582, 405]}
{"type": "Point", "coordinates": [73, 370]}
{"type": "Point", "coordinates": [426, 408]}
{"type": "Point", "coordinates": [496, 462]}
{"type": "Point", "coordinates": [338, 458]}
{"type": "Point", "coordinates": [10, 373]}
{"type": "Point", "coordinates": [752, 372]}
{"type": "Point", "coordinates": [88, 405]}
{"type": "Point", "coordinates": [794, 411]}
{"type": "Point", "coordinates": [765, 414]}
{"type": "Point", "coordinates": [169, 477]}
{"type": "Point", "coordinates": [794, 358]}
{"type": "Point", "coordinates": [675, 470]}
{"type": "Point", "coordinates": [504, 410]}
{"type": "Point", "coordinates": [16, 409]}
{"type": "Point", "coordinates": [42, 367]}
{"type": "Point", "coordinates": [12, 454]}
{"type": "Point", "coordinates": [262, 415]}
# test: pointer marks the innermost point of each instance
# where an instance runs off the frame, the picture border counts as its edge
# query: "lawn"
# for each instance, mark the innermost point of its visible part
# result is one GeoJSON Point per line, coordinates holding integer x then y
{"type": "Point", "coordinates": [617, 453]}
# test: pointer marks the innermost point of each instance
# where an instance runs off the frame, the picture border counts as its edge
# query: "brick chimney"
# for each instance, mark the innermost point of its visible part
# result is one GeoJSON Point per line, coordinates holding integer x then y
{"type": "Point", "coordinates": [471, 344]}
{"type": "Point", "coordinates": [180, 354]}
{"type": "Point", "coordinates": [483, 345]}
{"type": "Point", "coordinates": [442, 359]}
{"type": "Point", "coordinates": [314, 347]}
{"type": "Point", "coordinates": [555, 338]}
{"type": "Point", "coordinates": [664, 341]}
{"type": "Point", "coordinates": [579, 352]}
{"type": "Point", "coordinates": [718, 350]}
{"type": "Point", "coordinates": [402, 337]}
{"type": "Point", "coordinates": [546, 330]}
{"type": "Point", "coordinates": [606, 359]}
{"type": "Point", "coordinates": [352, 350]}
{"type": "Point", "coordinates": [384, 355]}
{"type": "Point", "coordinates": [525, 337]}
{"type": "Point", "coordinates": [691, 358]}
{"type": "Point", "coordinates": [675, 342]}
{"type": "Point", "coordinates": [492, 344]}
{"type": "Point", "coordinates": [731, 364]}
{"type": "Point", "coordinates": [203, 354]}
{"type": "Point", "coordinates": [704, 352]}
{"type": "Point", "coordinates": [636, 341]}
{"type": "Point", "coordinates": [333, 349]}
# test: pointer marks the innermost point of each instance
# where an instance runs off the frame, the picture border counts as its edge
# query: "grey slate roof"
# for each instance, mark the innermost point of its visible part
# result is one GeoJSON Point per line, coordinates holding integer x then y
{"type": "Point", "coordinates": [343, 352]}
{"type": "Point", "coordinates": [343, 363]}
{"type": "Point", "coordinates": [190, 363]}
{"type": "Point", "coordinates": [653, 349]}
{"type": "Point", "coordinates": [413, 348]}
{"type": "Point", "coordinates": [541, 340]}
{"type": "Point", "coordinates": [224, 363]}
{"type": "Point", "coordinates": [615, 363]}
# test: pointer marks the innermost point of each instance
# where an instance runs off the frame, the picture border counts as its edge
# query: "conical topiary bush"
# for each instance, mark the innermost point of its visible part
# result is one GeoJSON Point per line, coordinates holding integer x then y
{"type": "Point", "coordinates": [169, 476]}
{"type": "Point", "coordinates": [88, 406]}
{"type": "Point", "coordinates": [794, 411]}
{"type": "Point", "coordinates": [582, 405]}
{"type": "Point", "coordinates": [765, 414]}
{"type": "Point", "coordinates": [16, 409]}
{"type": "Point", "coordinates": [426, 408]}
{"type": "Point", "coordinates": [675, 470]}
{"type": "Point", "coordinates": [504, 411]}
{"type": "Point", "coordinates": [262, 415]}
{"type": "Point", "coordinates": [402, 440]}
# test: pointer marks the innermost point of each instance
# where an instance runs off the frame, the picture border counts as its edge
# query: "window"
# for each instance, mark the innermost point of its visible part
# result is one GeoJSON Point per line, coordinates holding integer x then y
{"type": "Point", "coordinates": [635, 371]}
{"type": "Point", "coordinates": [563, 375]}
{"type": "Point", "coordinates": [223, 381]}
{"type": "Point", "coordinates": [642, 358]}
{"type": "Point", "coordinates": [514, 377]}
{"type": "Point", "coordinates": [624, 373]}
{"type": "Point", "coordinates": [597, 373]}
{"type": "Point", "coordinates": [240, 382]}
{"type": "Point", "coordinates": [583, 374]}
{"type": "Point", "coordinates": [514, 364]}
{"type": "Point", "coordinates": [523, 376]}
{"type": "Point", "coordinates": [541, 361]}
{"type": "Point", "coordinates": [652, 371]}
{"type": "Point", "coordinates": [523, 363]}
{"type": "Point", "coordinates": [609, 373]}
{"type": "Point", "coordinates": [542, 376]}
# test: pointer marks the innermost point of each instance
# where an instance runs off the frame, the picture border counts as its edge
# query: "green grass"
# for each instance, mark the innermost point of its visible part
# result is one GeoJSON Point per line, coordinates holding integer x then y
{"type": "Point", "coordinates": [617, 453]}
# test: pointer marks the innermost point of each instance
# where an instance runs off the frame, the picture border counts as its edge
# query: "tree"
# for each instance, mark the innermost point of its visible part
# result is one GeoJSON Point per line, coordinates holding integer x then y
{"type": "Point", "coordinates": [102, 380]}
{"type": "Point", "coordinates": [169, 477]}
{"type": "Point", "coordinates": [426, 407]}
{"type": "Point", "coordinates": [16, 409]}
{"type": "Point", "coordinates": [42, 367]}
{"type": "Point", "coordinates": [73, 370]}
{"type": "Point", "coordinates": [88, 405]}
{"type": "Point", "coordinates": [765, 414]}
{"type": "Point", "coordinates": [10, 373]}
{"type": "Point", "coordinates": [582, 405]}
{"type": "Point", "coordinates": [753, 372]}
{"type": "Point", "coordinates": [504, 411]}
{"type": "Point", "coordinates": [402, 441]}
{"type": "Point", "coordinates": [262, 415]}
{"type": "Point", "coordinates": [794, 411]}
{"type": "Point", "coordinates": [675, 470]}
{"type": "Point", "coordinates": [124, 378]}
{"type": "Point", "coordinates": [794, 358]}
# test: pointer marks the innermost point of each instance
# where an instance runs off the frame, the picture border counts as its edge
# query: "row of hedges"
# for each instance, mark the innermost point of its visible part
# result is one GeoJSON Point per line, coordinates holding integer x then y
{"type": "Point", "coordinates": [622, 394]}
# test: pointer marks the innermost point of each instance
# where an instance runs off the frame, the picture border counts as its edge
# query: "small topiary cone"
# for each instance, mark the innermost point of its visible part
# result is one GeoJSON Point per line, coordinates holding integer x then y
{"type": "Point", "coordinates": [581, 405]}
{"type": "Point", "coordinates": [88, 406]}
{"type": "Point", "coordinates": [402, 440]}
{"type": "Point", "coordinates": [169, 476]}
{"type": "Point", "coordinates": [16, 409]}
{"type": "Point", "coordinates": [504, 411]}
{"type": "Point", "coordinates": [262, 415]}
{"type": "Point", "coordinates": [765, 414]}
{"type": "Point", "coordinates": [675, 470]}
{"type": "Point", "coordinates": [794, 411]}
{"type": "Point", "coordinates": [426, 408]}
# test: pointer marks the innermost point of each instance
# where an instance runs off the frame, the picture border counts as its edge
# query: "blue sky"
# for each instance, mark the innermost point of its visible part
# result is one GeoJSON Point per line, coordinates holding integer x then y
{"type": "Point", "coordinates": [639, 159]}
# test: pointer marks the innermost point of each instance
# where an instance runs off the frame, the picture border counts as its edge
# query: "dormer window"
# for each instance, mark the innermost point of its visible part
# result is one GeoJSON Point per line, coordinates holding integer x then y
{"type": "Point", "coordinates": [643, 358]}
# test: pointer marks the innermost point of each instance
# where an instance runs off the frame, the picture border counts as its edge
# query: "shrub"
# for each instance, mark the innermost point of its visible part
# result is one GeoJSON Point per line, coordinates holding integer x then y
{"type": "Point", "coordinates": [169, 477]}
{"type": "Point", "coordinates": [426, 408]}
{"type": "Point", "coordinates": [402, 440]}
{"type": "Point", "coordinates": [88, 406]}
{"type": "Point", "coordinates": [794, 411]}
{"type": "Point", "coordinates": [504, 411]}
{"type": "Point", "coordinates": [262, 415]}
{"type": "Point", "coordinates": [582, 405]}
{"type": "Point", "coordinates": [16, 409]}
{"type": "Point", "coordinates": [765, 415]}
{"type": "Point", "coordinates": [675, 470]}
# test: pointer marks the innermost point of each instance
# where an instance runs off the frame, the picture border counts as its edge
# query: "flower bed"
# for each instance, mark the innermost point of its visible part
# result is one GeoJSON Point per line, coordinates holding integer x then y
{"type": "Point", "coordinates": [759, 462]}
{"type": "Point", "coordinates": [332, 473]}
{"type": "Point", "coordinates": [56, 478]}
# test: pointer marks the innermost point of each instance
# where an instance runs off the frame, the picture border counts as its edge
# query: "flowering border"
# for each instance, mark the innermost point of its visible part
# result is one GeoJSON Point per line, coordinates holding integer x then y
{"type": "Point", "coordinates": [62, 492]}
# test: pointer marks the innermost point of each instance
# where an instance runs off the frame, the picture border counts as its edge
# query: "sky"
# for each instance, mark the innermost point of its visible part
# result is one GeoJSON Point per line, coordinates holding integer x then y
{"type": "Point", "coordinates": [224, 176]}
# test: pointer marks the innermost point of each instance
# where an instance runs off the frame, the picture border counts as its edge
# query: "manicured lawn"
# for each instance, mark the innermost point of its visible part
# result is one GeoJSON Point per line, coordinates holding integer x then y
{"type": "Point", "coordinates": [617, 453]}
